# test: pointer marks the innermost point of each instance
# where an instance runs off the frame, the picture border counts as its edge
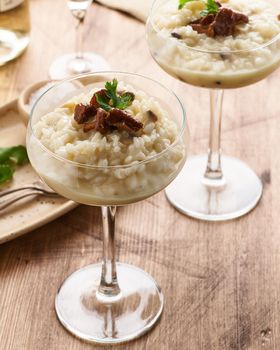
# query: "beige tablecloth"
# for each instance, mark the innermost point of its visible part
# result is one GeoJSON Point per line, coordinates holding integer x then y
{"type": "Point", "coordinates": [138, 8]}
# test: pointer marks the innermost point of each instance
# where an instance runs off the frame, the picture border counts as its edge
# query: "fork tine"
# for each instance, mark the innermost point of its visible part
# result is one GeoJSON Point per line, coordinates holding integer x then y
{"type": "Point", "coordinates": [6, 203]}
{"type": "Point", "coordinates": [35, 186]}
{"type": "Point", "coordinates": [7, 192]}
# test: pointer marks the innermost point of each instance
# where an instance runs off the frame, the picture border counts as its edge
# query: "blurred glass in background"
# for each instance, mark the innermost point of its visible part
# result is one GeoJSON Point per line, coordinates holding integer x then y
{"type": "Point", "coordinates": [14, 29]}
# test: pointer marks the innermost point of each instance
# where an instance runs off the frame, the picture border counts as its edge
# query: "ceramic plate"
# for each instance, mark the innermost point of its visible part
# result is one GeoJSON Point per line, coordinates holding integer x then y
{"type": "Point", "coordinates": [33, 212]}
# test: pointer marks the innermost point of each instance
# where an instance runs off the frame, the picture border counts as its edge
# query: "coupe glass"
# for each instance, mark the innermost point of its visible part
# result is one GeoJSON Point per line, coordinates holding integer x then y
{"type": "Point", "coordinates": [212, 187]}
{"type": "Point", "coordinates": [79, 62]}
{"type": "Point", "coordinates": [108, 302]}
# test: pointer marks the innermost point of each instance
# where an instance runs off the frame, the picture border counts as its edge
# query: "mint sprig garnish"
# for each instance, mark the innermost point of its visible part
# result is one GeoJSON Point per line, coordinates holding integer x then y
{"type": "Point", "coordinates": [114, 99]}
{"type": "Point", "coordinates": [211, 7]}
{"type": "Point", "coordinates": [9, 158]}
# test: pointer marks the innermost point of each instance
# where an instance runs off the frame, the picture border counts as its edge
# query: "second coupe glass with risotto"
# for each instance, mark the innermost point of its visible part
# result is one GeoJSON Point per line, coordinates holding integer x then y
{"type": "Point", "coordinates": [215, 45]}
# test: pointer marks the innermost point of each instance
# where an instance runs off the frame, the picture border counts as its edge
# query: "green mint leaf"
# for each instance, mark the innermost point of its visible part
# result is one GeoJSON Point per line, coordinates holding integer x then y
{"type": "Point", "coordinates": [111, 91]}
{"type": "Point", "coordinates": [112, 86]}
{"type": "Point", "coordinates": [4, 155]}
{"type": "Point", "coordinates": [120, 101]}
{"type": "Point", "coordinates": [10, 156]}
{"type": "Point", "coordinates": [17, 155]}
{"type": "Point", "coordinates": [125, 100]}
{"type": "Point", "coordinates": [6, 173]}
{"type": "Point", "coordinates": [182, 3]}
{"type": "Point", "coordinates": [103, 103]}
{"type": "Point", "coordinates": [211, 8]}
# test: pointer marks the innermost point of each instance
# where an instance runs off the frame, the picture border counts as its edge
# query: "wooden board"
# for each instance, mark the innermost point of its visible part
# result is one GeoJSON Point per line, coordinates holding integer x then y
{"type": "Point", "coordinates": [221, 282]}
{"type": "Point", "coordinates": [27, 214]}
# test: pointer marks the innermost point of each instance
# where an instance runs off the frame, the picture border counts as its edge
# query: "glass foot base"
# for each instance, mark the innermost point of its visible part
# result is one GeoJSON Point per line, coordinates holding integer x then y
{"type": "Point", "coordinates": [68, 65]}
{"type": "Point", "coordinates": [241, 193]}
{"type": "Point", "coordinates": [117, 320]}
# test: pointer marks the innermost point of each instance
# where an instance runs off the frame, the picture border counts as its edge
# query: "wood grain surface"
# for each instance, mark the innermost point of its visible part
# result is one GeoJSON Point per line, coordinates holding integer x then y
{"type": "Point", "coordinates": [221, 281]}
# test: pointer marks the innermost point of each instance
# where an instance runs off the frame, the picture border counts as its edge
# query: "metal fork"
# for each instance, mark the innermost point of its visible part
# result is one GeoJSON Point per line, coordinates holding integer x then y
{"type": "Point", "coordinates": [36, 188]}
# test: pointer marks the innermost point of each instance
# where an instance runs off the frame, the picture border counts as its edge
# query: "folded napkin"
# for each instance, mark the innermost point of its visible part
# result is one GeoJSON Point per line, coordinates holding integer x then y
{"type": "Point", "coordinates": [137, 8]}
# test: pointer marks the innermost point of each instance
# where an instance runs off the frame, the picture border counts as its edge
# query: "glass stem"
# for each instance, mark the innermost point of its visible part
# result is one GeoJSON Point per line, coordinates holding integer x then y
{"type": "Point", "coordinates": [79, 36]}
{"type": "Point", "coordinates": [109, 283]}
{"type": "Point", "coordinates": [213, 176]}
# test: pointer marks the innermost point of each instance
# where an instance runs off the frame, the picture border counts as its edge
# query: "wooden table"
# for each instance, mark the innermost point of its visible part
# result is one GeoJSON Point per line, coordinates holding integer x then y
{"type": "Point", "coordinates": [221, 280]}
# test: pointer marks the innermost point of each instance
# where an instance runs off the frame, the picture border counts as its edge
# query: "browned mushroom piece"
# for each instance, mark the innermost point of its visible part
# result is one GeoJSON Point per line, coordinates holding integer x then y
{"type": "Point", "coordinates": [102, 93]}
{"type": "Point", "coordinates": [221, 24]}
{"type": "Point", "coordinates": [83, 113]}
{"type": "Point", "coordinates": [89, 126]}
{"type": "Point", "coordinates": [199, 28]}
{"type": "Point", "coordinates": [93, 117]}
{"type": "Point", "coordinates": [152, 116]}
{"type": "Point", "coordinates": [99, 124]}
{"type": "Point", "coordinates": [123, 121]}
{"type": "Point", "coordinates": [240, 18]}
{"type": "Point", "coordinates": [176, 35]}
{"type": "Point", "coordinates": [225, 22]}
{"type": "Point", "coordinates": [207, 20]}
{"type": "Point", "coordinates": [101, 121]}
{"type": "Point", "coordinates": [201, 25]}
